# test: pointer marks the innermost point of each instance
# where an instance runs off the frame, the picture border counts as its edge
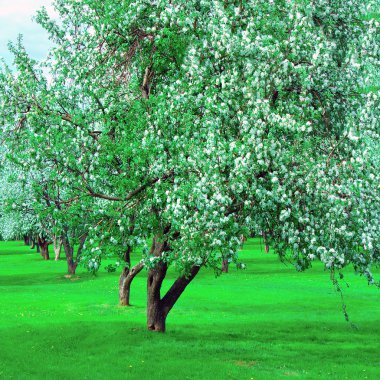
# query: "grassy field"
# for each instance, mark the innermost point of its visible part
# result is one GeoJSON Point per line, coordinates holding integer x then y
{"type": "Point", "coordinates": [267, 322]}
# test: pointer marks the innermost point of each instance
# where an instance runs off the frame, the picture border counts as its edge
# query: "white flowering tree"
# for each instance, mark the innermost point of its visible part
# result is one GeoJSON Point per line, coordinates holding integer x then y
{"type": "Point", "coordinates": [35, 202]}
{"type": "Point", "coordinates": [187, 124]}
{"type": "Point", "coordinates": [16, 217]}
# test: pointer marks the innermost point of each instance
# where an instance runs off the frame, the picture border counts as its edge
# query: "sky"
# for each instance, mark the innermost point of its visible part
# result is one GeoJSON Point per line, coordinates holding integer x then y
{"type": "Point", "coordinates": [16, 18]}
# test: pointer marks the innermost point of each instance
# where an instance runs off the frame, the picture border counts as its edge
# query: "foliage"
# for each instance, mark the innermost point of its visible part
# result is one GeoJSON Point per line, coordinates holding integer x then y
{"type": "Point", "coordinates": [198, 121]}
{"type": "Point", "coordinates": [17, 218]}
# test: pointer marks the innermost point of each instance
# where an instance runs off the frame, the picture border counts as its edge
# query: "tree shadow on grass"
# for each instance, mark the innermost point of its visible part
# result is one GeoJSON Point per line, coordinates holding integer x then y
{"type": "Point", "coordinates": [18, 253]}
{"type": "Point", "coordinates": [43, 278]}
{"type": "Point", "coordinates": [117, 349]}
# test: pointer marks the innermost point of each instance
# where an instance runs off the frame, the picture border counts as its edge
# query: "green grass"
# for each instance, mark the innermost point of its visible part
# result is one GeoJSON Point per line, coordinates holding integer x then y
{"type": "Point", "coordinates": [267, 322]}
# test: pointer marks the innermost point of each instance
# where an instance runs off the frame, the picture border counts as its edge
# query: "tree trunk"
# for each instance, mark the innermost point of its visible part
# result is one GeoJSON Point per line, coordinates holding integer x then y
{"type": "Point", "coordinates": [128, 273]}
{"type": "Point", "coordinates": [44, 245]}
{"type": "Point", "coordinates": [124, 288]}
{"type": "Point", "coordinates": [156, 316]}
{"type": "Point", "coordinates": [243, 239]}
{"type": "Point", "coordinates": [33, 244]}
{"type": "Point", "coordinates": [71, 266]}
{"type": "Point", "coordinates": [225, 266]}
{"type": "Point", "coordinates": [45, 250]}
{"type": "Point", "coordinates": [26, 240]}
{"type": "Point", "coordinates": [265, 242]}
{"type": "Point", "coordinates": [126, 278]}
{"type": "Point", "coordinates": [69, 251]}
{"type": "Point", "coordinates": [158, 308]}
{"type": "Point", "coordinates": [124, 284]}
{"type": "Point", "coordinates": [57, 245]}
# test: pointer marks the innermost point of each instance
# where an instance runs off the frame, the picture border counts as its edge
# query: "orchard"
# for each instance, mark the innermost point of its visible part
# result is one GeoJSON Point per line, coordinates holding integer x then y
{"type": "Point", "coordinates": [158, 136]}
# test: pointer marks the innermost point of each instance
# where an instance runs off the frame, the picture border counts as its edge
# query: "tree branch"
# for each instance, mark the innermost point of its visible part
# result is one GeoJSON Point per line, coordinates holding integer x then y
{"type": "Point", "coordinates": [177, 289]}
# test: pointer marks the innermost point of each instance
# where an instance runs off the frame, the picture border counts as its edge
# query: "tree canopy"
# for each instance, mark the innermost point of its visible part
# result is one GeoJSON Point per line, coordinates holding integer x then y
{"type": "Point", "coordinates": [192, 123]}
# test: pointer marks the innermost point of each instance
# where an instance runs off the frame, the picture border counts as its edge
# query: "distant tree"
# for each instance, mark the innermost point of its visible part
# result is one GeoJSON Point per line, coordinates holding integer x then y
{"type": "Point", "coordinates": [16, 218]}
{"type": "Point", "coordinates": [181, 126]}
{"type": "Point", "coordinates": [35, 204]}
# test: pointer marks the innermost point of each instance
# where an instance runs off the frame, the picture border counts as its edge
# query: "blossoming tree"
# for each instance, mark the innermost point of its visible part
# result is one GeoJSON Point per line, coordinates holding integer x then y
{"type": "Point", "coordinates": [195, 122]}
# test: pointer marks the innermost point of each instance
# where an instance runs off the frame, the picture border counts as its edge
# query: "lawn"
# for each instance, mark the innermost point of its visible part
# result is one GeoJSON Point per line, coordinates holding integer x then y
{"type": "Point", "coordinates": [266, 322]}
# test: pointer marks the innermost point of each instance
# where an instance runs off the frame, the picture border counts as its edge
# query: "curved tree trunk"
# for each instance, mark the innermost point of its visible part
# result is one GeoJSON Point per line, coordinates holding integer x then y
{"type": "Point", "coordinates": [128, 273]}
{"type": "Point", "coordinates": [69, 251]}
{"type": "Point", "coordinates": [124, 284]}
{"type": "Point", "coordinates": [33, 244]}
{"type": "Point", "coordinates": [158, 308]}
{"type": "Point", "coordinates": [126, 278]}
{"type": "Point", "coordinates": [156, 316]}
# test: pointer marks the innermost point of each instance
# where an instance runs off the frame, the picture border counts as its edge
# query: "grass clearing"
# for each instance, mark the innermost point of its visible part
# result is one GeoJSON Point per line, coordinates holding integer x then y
{"type": "Point", "coordinates": [266, 322]}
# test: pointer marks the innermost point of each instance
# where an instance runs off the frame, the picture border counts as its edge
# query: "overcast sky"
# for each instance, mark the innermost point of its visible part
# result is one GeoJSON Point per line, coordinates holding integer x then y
{"type": "Point", "coordinates": [16, 18]}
